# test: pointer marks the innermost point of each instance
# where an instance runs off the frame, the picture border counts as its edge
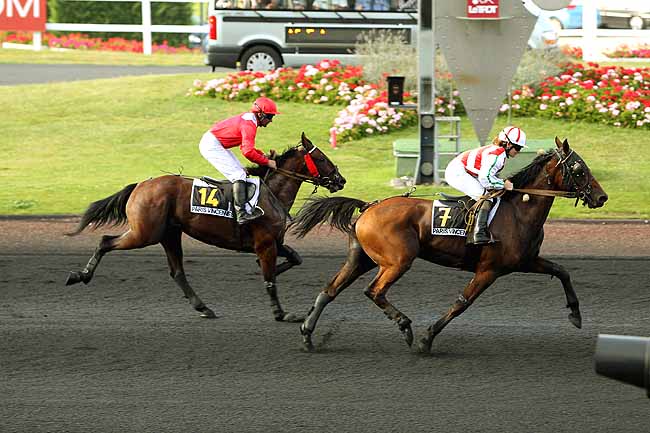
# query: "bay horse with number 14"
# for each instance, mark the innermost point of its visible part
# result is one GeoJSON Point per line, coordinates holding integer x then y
{"type": "Point", "coordinates": [390, 234]}
{"type": "Point", "coordinates": [158, 211]}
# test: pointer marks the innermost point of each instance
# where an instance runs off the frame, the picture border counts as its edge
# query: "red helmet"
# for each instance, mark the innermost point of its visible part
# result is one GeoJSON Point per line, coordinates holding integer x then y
{"type": "Point", "coordinates": [265, 105]}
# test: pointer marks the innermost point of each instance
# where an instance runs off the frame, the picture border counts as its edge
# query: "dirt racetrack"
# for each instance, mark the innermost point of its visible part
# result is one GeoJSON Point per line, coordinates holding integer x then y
{"type": "Point", "coordinates": [127, 352]}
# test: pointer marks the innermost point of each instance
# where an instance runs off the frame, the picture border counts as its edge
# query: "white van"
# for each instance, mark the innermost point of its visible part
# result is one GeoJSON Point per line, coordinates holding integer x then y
{"type": "Point", "coordinates": [266, 34]}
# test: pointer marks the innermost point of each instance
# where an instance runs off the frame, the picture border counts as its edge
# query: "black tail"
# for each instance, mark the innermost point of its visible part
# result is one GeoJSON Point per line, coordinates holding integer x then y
{"type": "Point", "coordinates": [110, 210]}
{"type": "Point", "coordinates": [337, 211]}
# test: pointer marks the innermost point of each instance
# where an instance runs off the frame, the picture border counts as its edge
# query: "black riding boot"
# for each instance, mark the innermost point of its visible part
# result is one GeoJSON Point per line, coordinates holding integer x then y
{"type": "Point", "coordinates": [481, 235]}
{"type": "Point", "coordinates": [239, 194]}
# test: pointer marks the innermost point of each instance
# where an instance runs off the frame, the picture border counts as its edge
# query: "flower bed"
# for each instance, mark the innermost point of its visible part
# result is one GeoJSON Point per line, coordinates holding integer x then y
{"type": "Point", "coordinates": [367, 111]}
{"type": "Point", "coordinates": [79, 41]}
{"type": "Point", "coordinates": [605, 94]}
{"type": "Point", "coordinates": [612, 95]}
{"type": "Point", "coordinates": [624, 51]}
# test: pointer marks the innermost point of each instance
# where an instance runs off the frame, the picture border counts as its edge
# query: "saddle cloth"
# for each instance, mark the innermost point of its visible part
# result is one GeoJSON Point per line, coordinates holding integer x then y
{"type": "Point", "coordinates": [215, 197]}
{"type": "Point", "coordinates": [448, 217]}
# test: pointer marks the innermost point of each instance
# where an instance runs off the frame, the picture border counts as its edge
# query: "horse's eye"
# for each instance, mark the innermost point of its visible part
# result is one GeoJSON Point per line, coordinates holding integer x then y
{"type": "Point", "coordinates": [577, 169]}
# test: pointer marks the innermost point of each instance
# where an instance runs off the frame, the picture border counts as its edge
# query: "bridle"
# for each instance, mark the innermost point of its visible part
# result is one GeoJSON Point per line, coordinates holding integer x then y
{"type": "Point", "coordinates": [315, 177]}
{"type": "Point", "coordinates": [574, 176]}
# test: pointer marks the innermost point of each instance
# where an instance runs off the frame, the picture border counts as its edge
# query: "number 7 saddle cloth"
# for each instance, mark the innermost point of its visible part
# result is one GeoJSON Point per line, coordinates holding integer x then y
{"type": "Point", "coordinates": [214, 197]}
{"type": "Point", "coordinates": [449, 217]}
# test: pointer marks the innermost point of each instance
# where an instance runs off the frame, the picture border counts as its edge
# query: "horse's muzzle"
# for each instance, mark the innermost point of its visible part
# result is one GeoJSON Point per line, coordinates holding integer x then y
{"type": "Point", "coordinates": [597, 200]}
{"type": "Point", "coordinates": [335, 183]}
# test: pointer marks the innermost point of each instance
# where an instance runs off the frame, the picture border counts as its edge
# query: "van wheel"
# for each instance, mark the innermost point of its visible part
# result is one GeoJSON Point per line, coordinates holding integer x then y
{"type": "Point", "coordinates": [260, 58]}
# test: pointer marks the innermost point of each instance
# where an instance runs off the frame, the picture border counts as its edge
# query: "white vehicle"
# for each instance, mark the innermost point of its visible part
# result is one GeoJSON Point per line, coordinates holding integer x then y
{"type": "Point", "coordinates": [266, 34]}
{"type": "Point", "coordinates": [261, 35]}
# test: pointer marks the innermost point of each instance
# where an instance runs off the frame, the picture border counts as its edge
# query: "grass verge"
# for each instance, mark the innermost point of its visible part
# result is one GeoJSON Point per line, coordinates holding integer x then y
{"type": "Point", "coordinates": [65, 145]}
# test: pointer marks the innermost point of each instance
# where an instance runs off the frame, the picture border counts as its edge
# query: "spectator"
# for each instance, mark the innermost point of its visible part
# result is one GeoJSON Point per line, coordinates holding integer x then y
{"type": "Point", "coordinates": [373, 5]}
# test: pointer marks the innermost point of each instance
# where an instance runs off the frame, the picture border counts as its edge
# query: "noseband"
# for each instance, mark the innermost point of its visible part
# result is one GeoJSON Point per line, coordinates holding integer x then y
{"type": "Point", "coordinates": [315, 177]}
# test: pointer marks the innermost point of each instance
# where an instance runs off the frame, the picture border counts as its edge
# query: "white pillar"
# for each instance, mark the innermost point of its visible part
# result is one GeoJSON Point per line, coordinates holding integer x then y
{"type": "Point", "coordinates": [37, 41]}
{"type": "Point", "coordinates": [590, 51]}
{"type": "Point", "coordinates": [146, 27]}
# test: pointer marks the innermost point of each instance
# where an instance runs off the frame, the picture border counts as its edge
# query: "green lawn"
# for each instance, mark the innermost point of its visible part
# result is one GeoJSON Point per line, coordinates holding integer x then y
{"type": "Point", "coordinates": [65, 145]}
{"type": "Point", "coordinates": [99, 58]}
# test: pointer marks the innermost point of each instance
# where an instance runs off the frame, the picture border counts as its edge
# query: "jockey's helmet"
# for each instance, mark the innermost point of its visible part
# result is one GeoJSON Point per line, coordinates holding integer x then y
{"type": "Point", "coordinates": [265, 105]}
{"type": "Point", "coordinates": [513, 135]}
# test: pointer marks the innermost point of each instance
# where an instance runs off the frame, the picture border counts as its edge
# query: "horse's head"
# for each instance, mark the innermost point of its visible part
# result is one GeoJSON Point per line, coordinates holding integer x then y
{"type": "Point", "coordinates": [318, 166]}
{"type": "Point", "coordinates": [567, 171]}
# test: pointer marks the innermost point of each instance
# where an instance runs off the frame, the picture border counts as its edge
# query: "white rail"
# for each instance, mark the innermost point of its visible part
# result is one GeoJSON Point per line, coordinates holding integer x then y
{"type": "Point", "coordinates": [146, 28]}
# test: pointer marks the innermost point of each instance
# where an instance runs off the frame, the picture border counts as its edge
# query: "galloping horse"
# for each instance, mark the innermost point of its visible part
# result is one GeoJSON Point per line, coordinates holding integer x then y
{"type": "Point", "coordinates": [393, 232]}
{"type": "Point", "coordinates": [158, 211]}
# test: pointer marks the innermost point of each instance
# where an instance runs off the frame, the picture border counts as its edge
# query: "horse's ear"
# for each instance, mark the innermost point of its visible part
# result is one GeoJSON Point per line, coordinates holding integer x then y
{"type": "Point", "coordinates": [558, 143]}
{"type": "Point", "coordinates": [306, 142]}
{"type": "Point", "coordinates": [565, 146]}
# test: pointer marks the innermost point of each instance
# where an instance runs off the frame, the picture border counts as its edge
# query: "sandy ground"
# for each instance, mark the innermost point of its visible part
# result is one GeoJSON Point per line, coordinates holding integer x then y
{"type": "Point", "coordinates": [127, 353]}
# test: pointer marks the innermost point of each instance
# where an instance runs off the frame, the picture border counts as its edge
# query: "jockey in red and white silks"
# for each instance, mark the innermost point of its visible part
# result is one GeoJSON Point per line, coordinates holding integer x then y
{"type": "Point", "coordinates": [239, 131]}
{"type": "Point", "coordinates": [476, 171]}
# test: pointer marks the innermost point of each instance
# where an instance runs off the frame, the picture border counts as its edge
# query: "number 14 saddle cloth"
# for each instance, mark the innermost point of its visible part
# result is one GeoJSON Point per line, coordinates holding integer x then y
{"type": "Point", "coordinates": [215, 197]}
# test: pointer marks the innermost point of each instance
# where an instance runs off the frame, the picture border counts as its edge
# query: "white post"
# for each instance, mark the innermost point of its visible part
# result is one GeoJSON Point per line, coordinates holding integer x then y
{"type": "Point", "coordinates": [146, 27]}
{"type": "Point", "coordinates": [37, 41]}
{"type": "Point", "coordinates": [590, 50]}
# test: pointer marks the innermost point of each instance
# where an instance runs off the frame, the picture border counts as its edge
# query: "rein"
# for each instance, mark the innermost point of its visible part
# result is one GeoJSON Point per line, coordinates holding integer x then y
{"type": "Point", "coordinates": [546, 192]}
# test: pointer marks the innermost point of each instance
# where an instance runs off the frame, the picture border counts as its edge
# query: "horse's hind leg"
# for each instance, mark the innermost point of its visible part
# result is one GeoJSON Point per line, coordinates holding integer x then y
{"type": "Point", "coordinates": [357, 264]}
{"type": "Point", "coordinates": [106, 244]}
{"type": "Point", "coordinates": [171, 242]}
{"type": "Point", "coordinates": [138, 236]}
{"type": "Point", "coordinates": [542, 266]}
{"type": "Point", "coordinates": [376, 291]}
{"type": "Point", "coordinates": [480, 282]}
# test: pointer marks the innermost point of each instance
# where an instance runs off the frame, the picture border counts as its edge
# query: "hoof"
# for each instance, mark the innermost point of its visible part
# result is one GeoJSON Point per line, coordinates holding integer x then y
{"type": "Point", "coordinates": [73, 278]}
{"type": "Point", "coordinates": [306, 339]}
{"type": "Point", "coordinates": [576, 319]}
{"type": "Point", "coordinates": [425, 345]}
{"type": "Point", "coordinates": [293, 318]}
{"type": "Point", "coordinates": [207, 313]}
{"type": "Point", "coordinates": [407, 332]}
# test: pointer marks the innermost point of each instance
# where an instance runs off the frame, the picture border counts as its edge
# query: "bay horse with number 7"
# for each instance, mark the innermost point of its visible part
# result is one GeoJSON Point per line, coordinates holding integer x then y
{"type": "Point", "coordinates": [158, 211]}
{"type": "Point", "coordinates": [390, 234]}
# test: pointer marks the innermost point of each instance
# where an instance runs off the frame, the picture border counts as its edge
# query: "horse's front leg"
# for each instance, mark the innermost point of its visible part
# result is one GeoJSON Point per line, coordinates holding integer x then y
{"type": "Point", "coordinates": [267, 254]}
{"type": "Point", "coordinates": [481, 281]}
{"type": "Point", "coordinates": [542, 266]}
{"type": "Point", "coordinates": [292, 256]}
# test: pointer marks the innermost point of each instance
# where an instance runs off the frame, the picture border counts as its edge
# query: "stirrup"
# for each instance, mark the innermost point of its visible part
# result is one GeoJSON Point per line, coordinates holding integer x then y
{"type": "Point", "coordinates": [243, 217]}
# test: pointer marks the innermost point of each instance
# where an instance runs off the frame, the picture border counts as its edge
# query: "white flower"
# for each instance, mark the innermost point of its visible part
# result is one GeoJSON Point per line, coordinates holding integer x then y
{"type": "Point", "coordinates": [369, 130]}
{"type": "Point", "coordinates": [617, 123]}
{"type": "Point", "coordinates": [615, 113]}
{"type": "Point", "coordinates": [591, 98]}
{"type": "Point", "coordinates": [543, 107]}
{"type": "Point", "coordinates": [516, 97]}
{"type": "Point", "coordinates": [640, 122]}
{"type": "Point", "coordinates": [257, 89]}
{"type": "Point", "coordinates": [329, 87]}
{"type": "Point", "coordinates": [323, 80]}
{"type": "Point", "coordinates": [324, 98]}
{"type": "Point", "coordinates": [569, 101]}
{"type": "Point", "coordinates": [504, 107]}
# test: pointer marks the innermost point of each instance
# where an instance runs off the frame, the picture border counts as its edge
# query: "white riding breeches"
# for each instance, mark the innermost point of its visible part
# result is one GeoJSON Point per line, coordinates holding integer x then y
{"type": "Point", "coordinates": [457, 177]}
{"type": "Point", "coordinates": [221, 158]}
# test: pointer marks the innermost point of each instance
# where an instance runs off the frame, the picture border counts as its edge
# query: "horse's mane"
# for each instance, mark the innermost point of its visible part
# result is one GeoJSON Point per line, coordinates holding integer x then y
{"type": "Point", "coordinates": [530, 172]}
{"type": "Point", "coordinates": [261, 171]}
